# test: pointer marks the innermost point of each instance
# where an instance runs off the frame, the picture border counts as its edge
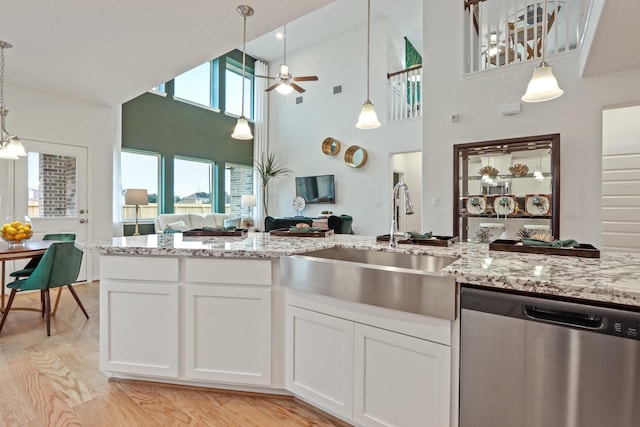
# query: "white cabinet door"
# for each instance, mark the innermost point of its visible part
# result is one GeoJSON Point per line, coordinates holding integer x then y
{"type": "Point", "coordinates": [400, 381]}
{"type": "Point", "coordinates": [139, 328]}
{"type": "Point", "coordinates": [319, 360]}
{"type": "Point", "coordinates": [228, 334]}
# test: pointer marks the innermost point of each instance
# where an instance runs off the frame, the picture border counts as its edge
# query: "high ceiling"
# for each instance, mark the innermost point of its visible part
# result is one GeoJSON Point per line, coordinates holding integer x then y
{"type": "Point", "coordinates": [111, 51]}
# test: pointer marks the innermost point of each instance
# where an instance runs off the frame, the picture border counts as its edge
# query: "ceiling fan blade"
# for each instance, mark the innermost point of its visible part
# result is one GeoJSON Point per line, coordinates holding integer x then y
{"type": "Point", "coordinates": [296, 87]}
{"type": "Point", "coordinates": [272, 87]}
{"type": "Point", "coordinates": [264, 77]}
{"type": "Point", "coordinates": [305, 79]}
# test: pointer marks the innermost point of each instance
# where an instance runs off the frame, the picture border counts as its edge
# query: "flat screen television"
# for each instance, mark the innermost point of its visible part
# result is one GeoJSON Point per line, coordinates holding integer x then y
{"type": "Point", "coordinates": [316, 189]}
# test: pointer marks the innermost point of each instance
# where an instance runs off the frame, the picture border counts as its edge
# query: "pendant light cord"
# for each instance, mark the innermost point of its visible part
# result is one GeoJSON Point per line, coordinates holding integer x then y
{"type": "Point", "coordinates": [244, 49]}
{"type": "Point", "coordinates": [285, 44]}
{"type": "Point", "coordinates": [368, 44]}
{"type": "Point", "coordinates": [544, 31]}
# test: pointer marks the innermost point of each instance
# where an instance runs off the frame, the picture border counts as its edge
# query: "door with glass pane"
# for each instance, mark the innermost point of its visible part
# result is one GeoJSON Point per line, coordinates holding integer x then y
{"type": "Point", "coordinates": [51, 187]}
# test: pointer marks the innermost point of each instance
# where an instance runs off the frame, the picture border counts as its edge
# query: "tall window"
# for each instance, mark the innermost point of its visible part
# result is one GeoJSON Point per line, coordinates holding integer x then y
{"type": "Point", "coordinates": [238, 181]}
{"type": "Point", "coordinates": [141, 170]}
{"type": "Point", "coordinates": [192, 186]}
{"type": "Point", "coordinates": [233, 90]}
{"type": "Point", "coordinates": [195, 85]}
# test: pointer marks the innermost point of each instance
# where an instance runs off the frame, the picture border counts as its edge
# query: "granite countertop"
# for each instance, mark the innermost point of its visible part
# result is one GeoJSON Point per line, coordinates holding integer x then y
{"type": "Point", "coordinates": [613, 278]}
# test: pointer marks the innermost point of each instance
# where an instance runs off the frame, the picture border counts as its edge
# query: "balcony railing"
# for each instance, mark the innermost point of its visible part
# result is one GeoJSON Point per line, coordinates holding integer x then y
{"type": "Point", "coordinates": [502, 32]}
{"type": "Point", "coordinates": [405, 93]}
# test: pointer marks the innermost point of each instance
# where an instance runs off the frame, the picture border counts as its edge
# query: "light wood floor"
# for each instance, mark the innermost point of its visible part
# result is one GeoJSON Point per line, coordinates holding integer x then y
{"type": "Point", "coordinates": [55, 381]}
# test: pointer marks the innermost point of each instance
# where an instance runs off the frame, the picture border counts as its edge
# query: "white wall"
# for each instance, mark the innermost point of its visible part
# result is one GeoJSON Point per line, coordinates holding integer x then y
{"type": "Point", "coordinates": [296, 132]}
{"type": "Point", "coordinates": [47, 117]}
{"type": "Point", "coordinates": [410, 164]}
{"type": "Point", "coordinates": [478, 101]}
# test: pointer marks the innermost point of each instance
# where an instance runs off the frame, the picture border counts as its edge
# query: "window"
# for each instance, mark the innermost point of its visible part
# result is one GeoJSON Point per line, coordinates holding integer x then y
{"type": "Point", "coordinates": [160, 88]}
{"type": "Point", "coordinates": [140, 170]}
{"type": "Point", "coordinates": [192, 186]}
{"type": "Point", "coordinates": [52, 185]}
{"type": "Point", "coordinates": [233, 90]}
{"type": "Point", "coordinates": [238, 181]}
{"type": "Point", "coordinates": [195, 85]}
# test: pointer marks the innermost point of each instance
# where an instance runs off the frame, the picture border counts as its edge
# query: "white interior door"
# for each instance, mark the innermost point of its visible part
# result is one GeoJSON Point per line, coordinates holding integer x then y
{"type": "Point", "coordinates": [51, 187]}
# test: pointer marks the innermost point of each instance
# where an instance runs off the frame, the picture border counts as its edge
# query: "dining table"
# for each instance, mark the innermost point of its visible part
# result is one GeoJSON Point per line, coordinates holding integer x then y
{"type": "Point", "coordinates": [27, 249]}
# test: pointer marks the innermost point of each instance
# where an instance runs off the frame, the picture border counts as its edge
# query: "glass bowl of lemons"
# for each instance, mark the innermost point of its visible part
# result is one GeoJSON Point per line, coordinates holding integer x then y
{"type": "Point", "coordinates": [15, 231]}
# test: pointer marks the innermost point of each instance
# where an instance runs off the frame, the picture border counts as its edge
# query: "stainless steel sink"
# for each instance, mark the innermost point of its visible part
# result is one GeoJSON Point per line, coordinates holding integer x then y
{"type": "Point", "coordinates": [394, 280]}
{"type": "Point", "coordinates": [422, 263]}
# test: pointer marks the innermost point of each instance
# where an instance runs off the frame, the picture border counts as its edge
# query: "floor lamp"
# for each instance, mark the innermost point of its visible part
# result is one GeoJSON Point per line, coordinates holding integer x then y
{"type": "Point", "coordinates": [137, 197]}
{"type": "Point", "coordinates": [249, 201]}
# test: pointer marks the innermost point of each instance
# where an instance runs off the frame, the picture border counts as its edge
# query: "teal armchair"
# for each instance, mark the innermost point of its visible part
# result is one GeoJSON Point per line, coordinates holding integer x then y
{"type": "Point", "coordinates": [59, 266]}
{"type": "Point", "coordinates": [340, 224]}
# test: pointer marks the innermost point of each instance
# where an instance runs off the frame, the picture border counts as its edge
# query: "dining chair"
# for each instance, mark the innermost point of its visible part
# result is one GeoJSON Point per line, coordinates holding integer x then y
{"type": "Point", "coordinates": [31, 265]}
{"type": "Point", "coordinates": [59, 266]}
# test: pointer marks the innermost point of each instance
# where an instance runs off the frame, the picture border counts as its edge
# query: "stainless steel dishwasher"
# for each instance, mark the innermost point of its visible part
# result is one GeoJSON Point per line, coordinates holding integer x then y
{"type": "Point", "coordinates": [533, 362]}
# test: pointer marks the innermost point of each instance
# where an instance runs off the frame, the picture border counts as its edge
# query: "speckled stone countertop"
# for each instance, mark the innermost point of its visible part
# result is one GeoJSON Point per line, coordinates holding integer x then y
{"type": "Point", "coordinates": [613, 278]}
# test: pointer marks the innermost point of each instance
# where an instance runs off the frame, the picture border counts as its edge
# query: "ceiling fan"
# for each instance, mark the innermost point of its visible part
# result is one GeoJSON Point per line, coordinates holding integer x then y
{"type": "Point", "coordinates": [284, 79]}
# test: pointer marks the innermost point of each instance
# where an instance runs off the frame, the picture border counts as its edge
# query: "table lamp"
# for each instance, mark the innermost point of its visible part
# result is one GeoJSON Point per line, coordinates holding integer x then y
{"type": "Point", "coordinates": [248, 201]}
{"type": "Point", "coordinates": [137, 197]}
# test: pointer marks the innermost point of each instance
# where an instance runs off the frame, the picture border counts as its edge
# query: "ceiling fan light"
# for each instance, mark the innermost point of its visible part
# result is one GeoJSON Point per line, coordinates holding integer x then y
{"type": "Point", "coordinates": [284, 89]}
{"type": "Point", "coordinates": [368, 118]}
{"type": "Point", "coordinates": [543, 85]}
{"type": "Point", "coordinates": [284, 70]}
{"type": "Point", "coordinates": [242, 130]}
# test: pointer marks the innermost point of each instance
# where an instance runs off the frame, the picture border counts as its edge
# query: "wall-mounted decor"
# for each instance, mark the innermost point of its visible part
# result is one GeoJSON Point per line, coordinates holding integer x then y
{"type": "Point", "coordinates": [330, 146]}
{"type": "Point", "coordinates": [355, 156]}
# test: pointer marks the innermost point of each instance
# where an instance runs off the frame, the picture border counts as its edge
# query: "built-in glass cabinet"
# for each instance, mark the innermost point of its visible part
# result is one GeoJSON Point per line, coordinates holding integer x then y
{"type": "Point", "coordinates": [506, 189]}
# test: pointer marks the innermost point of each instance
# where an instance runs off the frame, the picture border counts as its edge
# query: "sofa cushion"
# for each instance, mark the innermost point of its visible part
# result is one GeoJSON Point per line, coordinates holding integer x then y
{"type": "Point", "coordinates": [178, 226]}
{"type": "Point", "coordinates": [192, 221]}
{"type": "Point", "coordinates": [163, 220]}
{"type": "Point", "coordinates": [216, 220]}
{"type": "Point", "coordinates": [232, 222]}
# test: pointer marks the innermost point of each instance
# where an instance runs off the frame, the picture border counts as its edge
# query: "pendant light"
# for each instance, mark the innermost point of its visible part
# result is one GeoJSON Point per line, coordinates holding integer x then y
{"type": "Point", "coordinates": [368, 118]}
{"type": "Point", "coordinates": [543, 85]}
{"type": "Point", "coordinates": [10, 145]}
{"type": "Point", "coordinates": [242, 130]}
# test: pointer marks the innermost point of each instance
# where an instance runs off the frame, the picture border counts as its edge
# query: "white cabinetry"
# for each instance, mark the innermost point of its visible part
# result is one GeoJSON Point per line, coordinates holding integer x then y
{"type": "Point", "coordinates": [193, 320]}
{"type": "Point", "coordinates": [319, 360]}
{"type": "Point", "coordinates": [400, 380]}
{"type": "Point", "coordinates": [139, 316]}
{"type": "Point", "coordinates": [363, 374]}
{"type": "Point", "coordinates": [227, 326]}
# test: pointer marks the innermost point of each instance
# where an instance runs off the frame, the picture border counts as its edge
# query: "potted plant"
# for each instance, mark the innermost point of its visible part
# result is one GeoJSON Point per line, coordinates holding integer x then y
{"type": "Point", "coordinates": [269, 167]}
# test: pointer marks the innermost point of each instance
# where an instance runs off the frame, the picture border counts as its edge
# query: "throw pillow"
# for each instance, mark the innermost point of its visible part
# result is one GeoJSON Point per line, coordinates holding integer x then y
{"type": "Point", "coordinates": [232, 222]}
{"type": "Point", "coordinates": [178, 226]}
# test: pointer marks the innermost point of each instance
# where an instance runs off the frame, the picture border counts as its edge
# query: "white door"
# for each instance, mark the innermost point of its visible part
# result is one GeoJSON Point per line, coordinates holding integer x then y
{"type": "Point", "coordinates": [51, 187]}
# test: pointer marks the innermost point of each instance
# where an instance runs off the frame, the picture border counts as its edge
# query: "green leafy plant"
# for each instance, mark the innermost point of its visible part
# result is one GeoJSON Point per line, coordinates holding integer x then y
{"type": "Point", "coordinates": [269, 167]}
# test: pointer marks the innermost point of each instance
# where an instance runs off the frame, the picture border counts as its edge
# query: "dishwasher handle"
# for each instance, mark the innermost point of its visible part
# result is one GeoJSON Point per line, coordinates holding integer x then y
{"type": "Point", "coordinates": [565, 318]}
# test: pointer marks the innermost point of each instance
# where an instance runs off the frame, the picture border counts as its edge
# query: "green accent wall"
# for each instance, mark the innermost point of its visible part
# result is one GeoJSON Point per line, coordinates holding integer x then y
{"type": "Point", "coordinates": [160, 124]}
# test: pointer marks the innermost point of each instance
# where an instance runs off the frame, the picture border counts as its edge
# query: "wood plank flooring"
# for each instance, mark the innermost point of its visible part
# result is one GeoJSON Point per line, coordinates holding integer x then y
{"type": "Point", "coordinates": [55, 381]}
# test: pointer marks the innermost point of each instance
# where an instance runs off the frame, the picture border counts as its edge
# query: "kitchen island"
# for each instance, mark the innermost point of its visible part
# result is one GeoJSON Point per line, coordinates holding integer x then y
{"type": "Point", "coordinates": [210, 311]}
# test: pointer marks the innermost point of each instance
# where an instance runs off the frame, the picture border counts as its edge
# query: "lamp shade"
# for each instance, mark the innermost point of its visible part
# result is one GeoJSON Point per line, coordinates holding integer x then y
{"type": "Point", "coordinates": [242, 130]}
{"type": "Point", "coordinates": [136, 196]}
{"type": "Point", "coordinates": [284, 89]}
{"type": "Point", "coordinates": [543, 85]}
{"type": "Point", "coordinates": [248, 201]}
{"type": "Point", "coordinates": [368, 118]}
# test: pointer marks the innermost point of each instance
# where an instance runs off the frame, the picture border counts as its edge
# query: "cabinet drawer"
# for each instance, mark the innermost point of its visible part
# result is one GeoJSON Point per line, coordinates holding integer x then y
{"type": "Point", "coordinates": [153, 269]}
{"type": "Point", "coordinates": [228, 271]}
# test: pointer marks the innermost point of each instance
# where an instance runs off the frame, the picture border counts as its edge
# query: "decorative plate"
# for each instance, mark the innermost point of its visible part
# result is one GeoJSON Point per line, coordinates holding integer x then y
{"type": "Point", "coordinates": [504, 205]}
{"type": "Point", "coordinates": [476, 205]}
{"type": "Point", "coordinates": [299, 203]}
{"type": "Point", "coordinates": [538, 204]}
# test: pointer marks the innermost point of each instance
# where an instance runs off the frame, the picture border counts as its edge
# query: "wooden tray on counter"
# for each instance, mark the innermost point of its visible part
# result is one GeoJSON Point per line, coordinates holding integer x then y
{"type": "Point", "coordinates": [199, 232]}
{"type": "Point", "coordinates": [287, 233]}
{"type": "Point", "coordinates": [584, 250]}
{"type": "Point", "coordinates": [433, 241]}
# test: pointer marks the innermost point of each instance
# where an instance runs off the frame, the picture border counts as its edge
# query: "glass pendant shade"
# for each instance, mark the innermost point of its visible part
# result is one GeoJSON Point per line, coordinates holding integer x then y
{"type": "Point", "coordinates": [15, 145]}
{"type": "Point", "coordinates": [7, 154]}
{"type": "Point", "coordinates": [242, 130]}
{"type": "Point", "coordinates": [368, 118]}
{"type": "Point", "coordinates": [543, 85]}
